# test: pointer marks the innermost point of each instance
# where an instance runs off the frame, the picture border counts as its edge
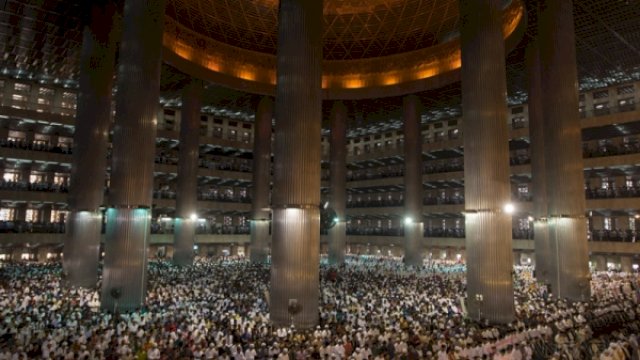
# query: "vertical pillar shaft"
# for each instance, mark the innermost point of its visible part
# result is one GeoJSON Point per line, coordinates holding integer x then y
{"type": "Point", "coordinates": [486, 162]}
{"type": "Point", "coordinates": [297, 155]}
{"type": "Point", "coordinates": [88, 171]}
{"type": "Point", "coordinates": [4, 130]}
{"type": "Point", "coordinates": [261, 182]}
{"type": "Point", "coordinates": [338, 186]}
{"type": "Point", "coordinates": [600, 263]}
{"type": "Point", "coordinates": [569, 270]}
{"type": "Point", "coordinates": [21, 211]}
{"type": "Point", "coordinates": [45, 213]}
{"type": "Point", "coordinates": [626, 264]}
{"type": "Point", "coordinates": [129, 215]}
{"type": "Point", "coordinates": [413, 224]}
{"type": "Point", "coordinates": [543, 251]}
{"type": "Point", "coordinates": [187, 200]}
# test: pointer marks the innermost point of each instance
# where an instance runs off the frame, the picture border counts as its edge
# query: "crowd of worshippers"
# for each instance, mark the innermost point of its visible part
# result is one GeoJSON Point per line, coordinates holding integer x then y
{"type": "Point", "coordinates": [370, 308]}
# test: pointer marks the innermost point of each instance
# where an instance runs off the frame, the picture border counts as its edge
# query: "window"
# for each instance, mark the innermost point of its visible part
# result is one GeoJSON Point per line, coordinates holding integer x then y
{"type": "Point", "coordinates": [626, 89]}
{"type": "Point", "coordinates": [21, 87]}
{"type": "Point", "coordinates": [232, 134]}
{"type": "Point", "coordinates": [169, 123]}
{"type": "Point", "coordinates": [7, 214]}
{"type": "Point", "coordinates": [45, 92]}
{"type": "Point", "coordinates": [517, 110]}
{"type": "Point", "coordinates": [601, 94]}
{"type": "Point", "coordinates": [58, 216]}
{"type": "Point", "coordinates": [17, 97]}
{"type": "Point", "coordinates": [32, 215]}
{"type": "Point", "coordinates": [42, 101]}
{"type": "Point", "coordinates": [604, 183]}
{"type": "Point", "coordinates": [602, 107]}
{"type": "Point", "coordinates": [233, 123]}
{"type": "Point", "coordinates": [518, 122]}
{"type": "Point", "coordinates": [59, 179]}
{"type": "Point", "coordinates": [10, 176]}
{"type": "Point", "coordinates": [68, 100]}
{"type": "Point", "coordinates": [36, 178]}
{"type": "Point", "coordinates": [632, 223]}
{"type": "Point", "coordinates": [626, 104]}
{"type": "Point", "coordinates": [444, 223]}
{"type": "Point", "coordinates": [217, 132]}
{"type": "Point", "coordinates": [523, 190]}
{"type": "Point", "coordinates": [607, 223]}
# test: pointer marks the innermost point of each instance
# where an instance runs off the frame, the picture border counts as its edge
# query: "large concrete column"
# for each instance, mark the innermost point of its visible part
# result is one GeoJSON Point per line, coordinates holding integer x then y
{"type": "Point", "coordinates": [260, 208]}
{"type": "Point", "coordinates": [486, 162]}
{"type": "Point", "coordinates": [569, 269]}
{"type": "Point", "coordinates": [297, 154]}
{"type": "Point", "coordinates": [626, 264]}
{"type": "Point", "coordinates": [187, 200]}
{"type": "Point", "coordinates": [338, 186]}
{"type": "Point", "coordinates": [88, 170]}
{"type": "Point", "coordinates": [600, 262]}
{"type": "Point", "coordinates": [134, 136]}
{"type": "Point", "coordinates": [543, 251]}
{"type": "Point", "coordinates": [413, 224]}
{"type": "Point", "coordinates": [45, 213]}
{"type": "Point", "coordinates": [20, 212]}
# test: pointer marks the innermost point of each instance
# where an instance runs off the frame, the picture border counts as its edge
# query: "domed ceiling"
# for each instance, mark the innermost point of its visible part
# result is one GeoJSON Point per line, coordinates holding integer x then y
{"type": "Point", "coordinates": [353, 29]}
{"type": "Point", "coordinates": [370, 47]}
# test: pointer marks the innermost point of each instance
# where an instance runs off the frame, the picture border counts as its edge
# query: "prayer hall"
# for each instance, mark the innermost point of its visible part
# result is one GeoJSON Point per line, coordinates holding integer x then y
{"type": "Point", "coordinates": [320, 179]}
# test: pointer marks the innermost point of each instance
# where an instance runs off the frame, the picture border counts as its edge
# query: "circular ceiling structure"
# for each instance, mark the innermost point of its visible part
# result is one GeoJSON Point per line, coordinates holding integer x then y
{"type": "Point", "coordinates": [371, 48]}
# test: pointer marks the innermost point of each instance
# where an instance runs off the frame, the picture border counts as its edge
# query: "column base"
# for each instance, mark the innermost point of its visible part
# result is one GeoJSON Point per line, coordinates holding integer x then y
{"type": "Point", "coordinates": [542, 251]}
{"type": "Point", "coordinates": [295, 268]}
{"type": "Point", "coordinates": [569, 271]}
{"type": "Point", "coordinates": [337, 244]}
{"type": "Point", "coordinates": [125, 263]}
{"type": "Point", "coordinates": [82, 249]}
{"type": "Point", "coordinates": [489, 267]}
{"type": "Point", "coordinates": [260, 238]}
{"type": "Point", "coordinates": [626, 264]}
{"type": "Point", "coordinates": [413, 235]}
{"type": "Point", "coordinates": [183, 241]}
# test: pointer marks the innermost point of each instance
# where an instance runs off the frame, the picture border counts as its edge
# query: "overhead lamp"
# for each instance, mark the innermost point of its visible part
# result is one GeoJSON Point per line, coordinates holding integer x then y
{"type": "Point", "coordinates": [408, 220]}
{"type": "Point", "coordinates": [509, 208]}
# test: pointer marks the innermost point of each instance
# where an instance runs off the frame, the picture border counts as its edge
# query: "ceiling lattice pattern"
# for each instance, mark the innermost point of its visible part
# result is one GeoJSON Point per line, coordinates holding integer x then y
{"type": "Point", "coordinates": [352, 29]}
{"type": "Point", "coordinates": [40, 37]}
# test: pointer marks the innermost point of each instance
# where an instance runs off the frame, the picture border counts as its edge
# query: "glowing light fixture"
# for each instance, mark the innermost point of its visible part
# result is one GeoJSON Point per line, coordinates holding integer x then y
{"type": "Point", "coordinates": [509, 208]}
